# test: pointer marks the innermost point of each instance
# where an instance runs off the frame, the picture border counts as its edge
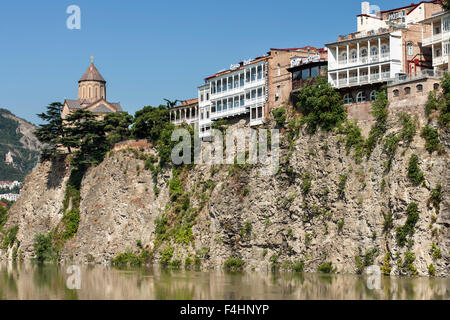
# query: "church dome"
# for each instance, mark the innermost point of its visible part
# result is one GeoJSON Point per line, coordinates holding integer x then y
{"type": "Point", "coordinates": [92, 74]}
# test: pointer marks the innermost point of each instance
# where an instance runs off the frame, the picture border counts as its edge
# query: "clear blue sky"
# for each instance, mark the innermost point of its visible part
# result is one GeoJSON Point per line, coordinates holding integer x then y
{"type": "Point", "coordinates": [149, 50]}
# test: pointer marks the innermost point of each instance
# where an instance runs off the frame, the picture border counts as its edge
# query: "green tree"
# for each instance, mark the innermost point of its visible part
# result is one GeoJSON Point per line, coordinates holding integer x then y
{"type": "Point", "coordinates": [446, 4]}
{"type": "Point", "coordinates": [321, 106]}
{"type": "Point", "coordinates": [117, 127]}
{"type": "Point", "coordinates": [51, 133]}
{"type": "Point", "coordinates": [87, 135]}
{"type": "Point", "coordinates": [150, 122]}
{"type": "Point", "coordinates": [380, 113]}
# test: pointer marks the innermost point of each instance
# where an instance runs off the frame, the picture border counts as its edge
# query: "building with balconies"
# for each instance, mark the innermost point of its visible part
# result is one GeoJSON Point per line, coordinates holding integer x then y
{"type": "Point", "coordinates": [185, 113]}
{"type": "Point", "coordinates": [388, 44]}
{"type": "Point", "coordinates": [239, 91]}
{"type": "Point", "coordinates": [438, 30]}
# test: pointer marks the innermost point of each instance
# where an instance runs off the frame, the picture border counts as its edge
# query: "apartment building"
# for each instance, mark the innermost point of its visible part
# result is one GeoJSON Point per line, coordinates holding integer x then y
{"type": "Point", "coordinates": [387, 44]}
{"type": "Point", "coordinates": [240, 90]}
{"type": "Point", "coordinates": [280, 79]}
{"type": "Point", "coordinates": [436, 37]}
{"type": "Point", "coordinates": [186, 112]}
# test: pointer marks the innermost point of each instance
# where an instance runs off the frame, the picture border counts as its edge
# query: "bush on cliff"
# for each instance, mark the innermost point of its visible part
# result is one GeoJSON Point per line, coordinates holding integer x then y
{"type": "Point", "coordinates": [321, 106]}
{"type": "Point", "coordinates": [43, 250]}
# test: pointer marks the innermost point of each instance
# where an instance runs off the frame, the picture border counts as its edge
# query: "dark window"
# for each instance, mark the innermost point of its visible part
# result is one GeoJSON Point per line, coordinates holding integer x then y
{"type": "Point", "coordinates": [407, 90]}
{"type": "Point", "coordinates": [297, 75]}
{"type": "Point", "coordinates": [396, 92]}
{"type": "Point", "coordinates": [419, 88]}
{"type": "Point", "coordinates": [305, 74]}
{"type": "Point", "coordinates": [436, 86]}
{"type": "Point", "coordinates": [314, 72]}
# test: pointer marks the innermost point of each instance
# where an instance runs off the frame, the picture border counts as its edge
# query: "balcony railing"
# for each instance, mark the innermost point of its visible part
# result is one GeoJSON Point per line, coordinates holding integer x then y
{"type": "Point", "coordinates": [374, 77]}
{"type": "Point", "coordinates": [364, 79]}
{"type": "Point", "coordinates": [342, 82]}
{"type": "Point", "coordinates": [353, 80]}
{"type": "Point", "coordinates": [385, 75]}
{"type": "Point", "coordinates": [436, 74]}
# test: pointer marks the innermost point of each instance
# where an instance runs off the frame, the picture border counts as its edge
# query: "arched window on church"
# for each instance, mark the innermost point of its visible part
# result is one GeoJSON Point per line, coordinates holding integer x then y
{"type": "Point", "coordinates": [89, 92]}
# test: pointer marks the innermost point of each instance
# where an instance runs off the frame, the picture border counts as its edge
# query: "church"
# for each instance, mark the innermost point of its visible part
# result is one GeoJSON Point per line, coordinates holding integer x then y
{"type": "Point", "coordinates": [91, 95]}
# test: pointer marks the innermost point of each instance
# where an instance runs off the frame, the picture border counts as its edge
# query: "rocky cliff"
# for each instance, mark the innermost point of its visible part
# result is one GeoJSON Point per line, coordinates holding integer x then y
{"type": "Point", "coordinates": [323, 206]}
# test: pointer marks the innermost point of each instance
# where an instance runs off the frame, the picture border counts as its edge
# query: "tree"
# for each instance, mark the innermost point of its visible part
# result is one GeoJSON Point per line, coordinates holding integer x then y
{"type": "Point", "coordinates": [150, 122]}
{"type": "Point", "coordinates": [446, 4]}
{"type": "Point", "coordinates": [117, 127]}
{"type": "Point", "coordinates": [51, 133]}
{"type": "Point", "coordinates": [171, 104]}
{"type": "Point", "coordinates": [86, 134]}
{"type": "Point", "coordinates": [321, 105]}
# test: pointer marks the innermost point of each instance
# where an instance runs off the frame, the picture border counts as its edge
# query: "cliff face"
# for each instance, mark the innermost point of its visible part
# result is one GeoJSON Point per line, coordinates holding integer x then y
{"type": "Point", "coordinates": [263, 220]}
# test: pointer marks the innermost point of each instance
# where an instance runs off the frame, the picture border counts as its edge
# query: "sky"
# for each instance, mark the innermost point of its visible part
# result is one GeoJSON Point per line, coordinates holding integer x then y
{"type": "Point", "coordinates": [150, 50]}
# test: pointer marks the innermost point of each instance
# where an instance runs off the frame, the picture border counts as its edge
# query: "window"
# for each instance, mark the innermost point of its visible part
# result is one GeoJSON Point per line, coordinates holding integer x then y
{"type": "Point", "coordinates": [259, 72]}
{"type": "Point", "coordinates": [230, 83]}
{"type": "Point", "coordinates": [247, 76]}
{"type": "Point", "coordinates": [396, 93]}
{"type": "Point", "coordinates": [436, 86]}
{"type": "Point", "coordinates": [260, 92]}
{"type": "Point", "coordinates": [384, 50]}
{"type": "Point", "coordinates": [219, 106]}
{"type": "Point", "coordinates": [236, 81]}
{"type": "Point", "coordinates": [314, 72]}
{"type": "Point", "coordinates": [407, 90]}
{"type": "Point", "coordinates": [242, 100]}
{"type": "Point", "coordinates": [207, 114]}
{"type": "Point", "coordinates": [446, 24]}
{"type": "Point", "coordinates": [348, 99]}
{"type": "Point", "coordinates": [230, 103]}
{"type": "Point", "coordinates": [236, 102]}
{"type": "Point", "coordinates": [361, 97]}
{"type": "Point", "coordinates": [419, 88]}
{"type": "Point", "coordinates": [242, 76]}
{"type": "Point", "coordinates": [354, 55]}
{"type": "Point", "coordinates": [279, 70]}
{"type": "Point", "coordinates": [253, 74]}
{"type": "Point", "coordinates": [373, 95]}
{"type": "Point", "coordinates": [219, 86]}
{"type": "Point", "coordinates": [213, 87]}
{"type": "Point", "coordinates": [344, 57]}
{"type": "Point", "coordinates": [253, 94]}
{"type": "Point", "coordinates": [374, 52]}
{"type": "Point", "coordinates": [201, 115]}
{"type": "Point", "coordinates": [410, 49]}
{"type": "Point", "coordinates": [297, 75]}
{"type": "Point", "coordinates": [207, 97]}
{"type": "Point", "coordinates": [224, 84]}
{"type": "Point", "coordinates": [363, 52]}
{"type": "Point", "coordinates": [201, 97]}
{"type": "Point", "coordinates": [305, 74]}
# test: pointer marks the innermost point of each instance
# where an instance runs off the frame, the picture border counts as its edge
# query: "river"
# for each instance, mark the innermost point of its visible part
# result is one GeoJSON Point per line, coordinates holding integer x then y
{"type": "Point", "coordinates": [30, 282]}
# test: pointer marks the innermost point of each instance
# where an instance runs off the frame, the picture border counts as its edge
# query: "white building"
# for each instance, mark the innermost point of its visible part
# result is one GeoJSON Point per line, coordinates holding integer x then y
{"type": "Point", "coordinates": [386, 46]}
{"type": "Point", "coordinates": [439, 40]}
{"type": "Point", "coordinates": [10, 196]}
{"type": "Point", "coordinates": [240, 90]}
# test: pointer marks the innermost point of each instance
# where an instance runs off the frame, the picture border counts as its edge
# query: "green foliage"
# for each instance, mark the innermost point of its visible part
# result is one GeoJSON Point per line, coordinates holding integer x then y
{"type": "Point", "coordinates": [409, 129]}
{"type": "Point", "coordinates": [52, 132]}
{"type": "Point", "coordinates": [408, 264]}
{"type": "Point", "coordinates": [436, 251]}
{"type": "Point", "coordinates": [298, 266]}
{"type": "Point", "coordinates": [408, 228]}
{"type": "Point", "coordinates": [306, 183]}
{"type": "Point", "coordinates": [10, 237]}
{"type": "Point", "coordinates": [326, 267]}
{"type": "Point", "coordinates": [435, 198]}
{"type": "Point", "coordinates": [234, 264]}
{"type": "Point", "coordinates": [321, 106]}
{"type": "Point", "coordinates": [414, 172]}
{"type": "Point", "coordinates": [149, 122]}
{"type": "Point", "coordinates": [366, 260]}
{"type": "Point", "coordinates": [433, 103]}
{"type": "Point", "coordinates": [71, 220]}
{"type": "Point", "coordinates": [444, 117]}
{"type": "Point", "coordinates": [116, 126]}
{"type": "Point", "coordinates": [386, 267]}
{"type": "Point", "coordinates": [354, 139]}
{"type": "Point", "coordinates": [127, 258]}
{"type": "Point", "coordinates": [390, 145]}
{"type": "Point", "coordinates": [341, 185]}
{"type": "Point", "coordinates": [166, 256]}
{"type": "Point", "coordinates": [432, 142]}
{"type": "Point", "coordinates": [43, 249]}
{"type": "Point", "coordinates": [3, 216]}
{"type": "Point", "coordinates": [279, 115]}
{"type": "Point", "coordinates": [340, 225]}
{"type": "Point", "coordinates": [431, 270]}
{"type": "Point", "coordinates": [246, 191]}
{"type": "Point", "coordinates": [380, 113]}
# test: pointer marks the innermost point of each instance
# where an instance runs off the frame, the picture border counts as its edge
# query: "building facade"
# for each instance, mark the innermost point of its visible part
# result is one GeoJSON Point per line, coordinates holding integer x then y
{"type": "Point", "coordinates": [436, 37]}
{"type": "Point", "coordinates": [387, 44]}
{"type": "Point", "coordinates": [239, 91]}
{"type": "Point", "coordinates": [91, 95]}
{"type": "Point", "coordinates": [186, 112]}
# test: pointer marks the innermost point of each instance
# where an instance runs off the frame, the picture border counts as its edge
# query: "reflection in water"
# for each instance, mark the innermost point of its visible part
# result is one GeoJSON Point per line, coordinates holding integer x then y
{"type": "Point", "coordinates": [26, 281]}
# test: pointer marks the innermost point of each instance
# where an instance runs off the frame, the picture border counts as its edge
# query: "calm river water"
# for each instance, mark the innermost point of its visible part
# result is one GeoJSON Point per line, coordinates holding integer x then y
{"type": "Point", "coordinates": [26, 281]}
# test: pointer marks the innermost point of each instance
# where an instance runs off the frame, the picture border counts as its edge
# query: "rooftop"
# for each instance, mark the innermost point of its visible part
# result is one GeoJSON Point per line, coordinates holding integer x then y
{"type": "Point", "coordinates": [92, 74]}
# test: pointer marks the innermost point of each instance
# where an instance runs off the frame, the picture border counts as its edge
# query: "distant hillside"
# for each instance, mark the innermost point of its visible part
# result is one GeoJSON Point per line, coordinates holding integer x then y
{"type": "Point", "coordinates": [19, 148]}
